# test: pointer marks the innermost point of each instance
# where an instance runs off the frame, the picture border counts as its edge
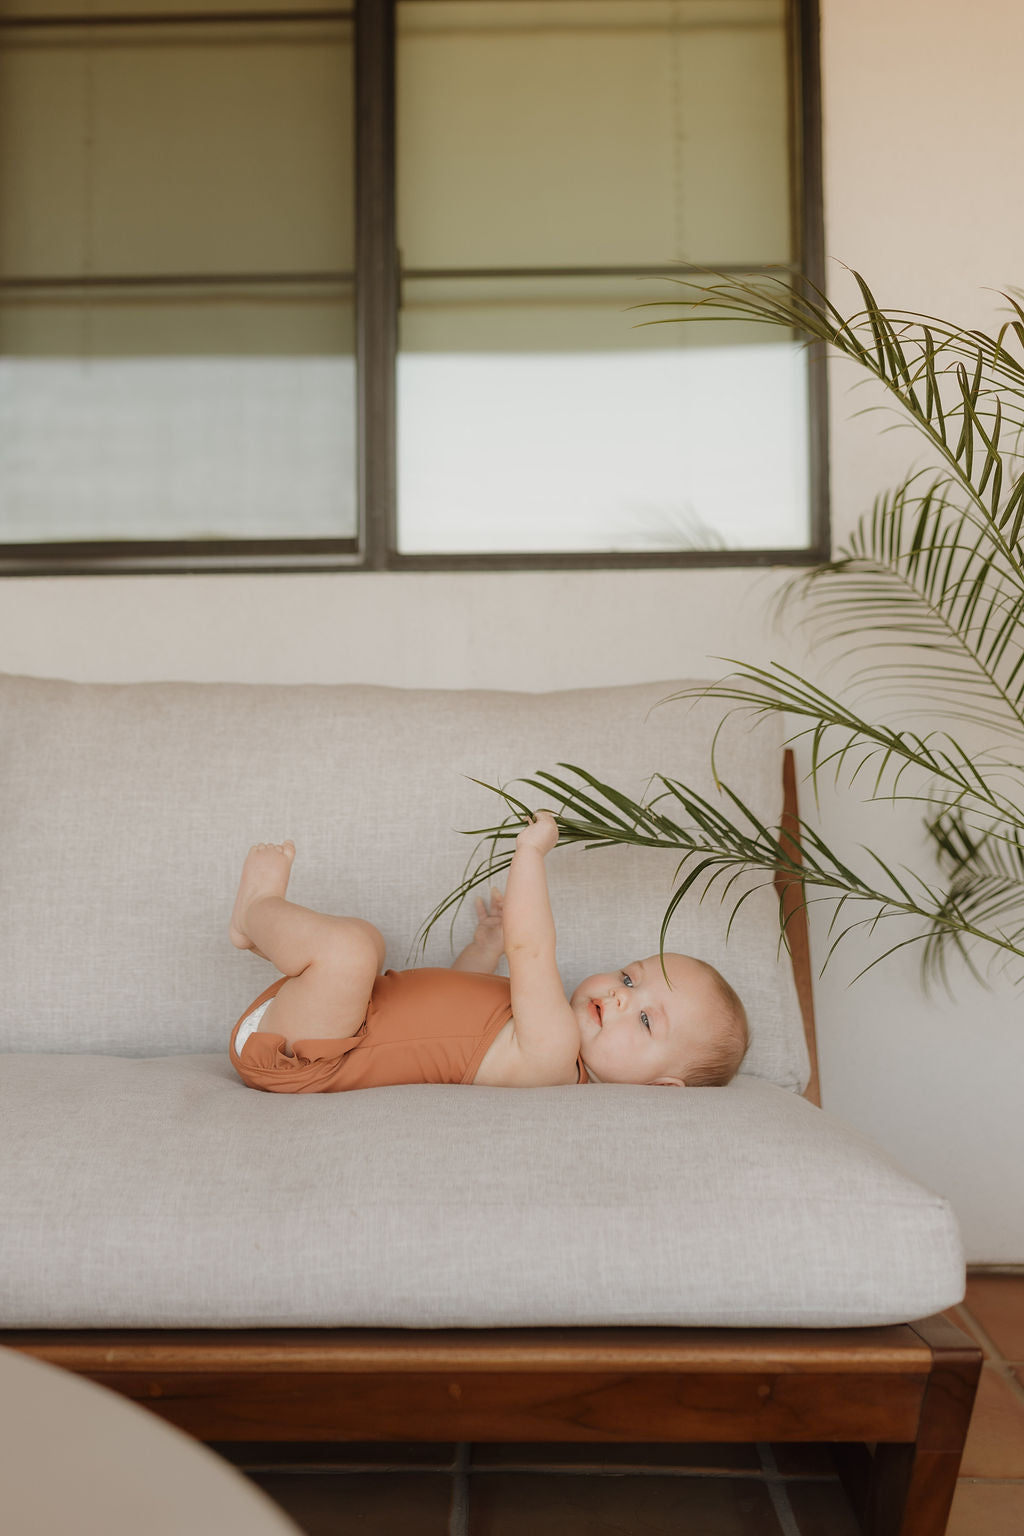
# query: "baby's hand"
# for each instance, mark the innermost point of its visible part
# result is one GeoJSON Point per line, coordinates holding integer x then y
{"type": "Point", "coordinates": [489, 923]}
{"type": "Point", "coordinates": [540, 833]}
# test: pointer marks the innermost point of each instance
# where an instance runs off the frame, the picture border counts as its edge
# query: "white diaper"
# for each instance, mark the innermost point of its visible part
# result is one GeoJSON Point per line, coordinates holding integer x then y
{"type": "Point", "coordinates": [250, 1025]}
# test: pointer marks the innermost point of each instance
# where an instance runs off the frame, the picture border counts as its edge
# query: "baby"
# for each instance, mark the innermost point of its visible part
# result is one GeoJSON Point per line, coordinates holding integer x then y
{"type": "Point", "coordinates": [333, 1022]}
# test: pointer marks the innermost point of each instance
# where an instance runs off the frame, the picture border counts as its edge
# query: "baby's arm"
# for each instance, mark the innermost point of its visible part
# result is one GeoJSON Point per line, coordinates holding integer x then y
{"type": "Point", "coordinates": [546, 1031]}
{"type": "Point", "coordinates": [487, 945]}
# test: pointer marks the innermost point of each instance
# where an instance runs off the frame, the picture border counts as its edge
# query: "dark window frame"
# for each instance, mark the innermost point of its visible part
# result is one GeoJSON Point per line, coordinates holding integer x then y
{"type": "Point", "coordinates": [378, 295]}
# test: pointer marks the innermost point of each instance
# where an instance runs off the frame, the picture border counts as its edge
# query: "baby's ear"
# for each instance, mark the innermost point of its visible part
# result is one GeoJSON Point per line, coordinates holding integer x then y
{"type": "Point", "coordinates": [668, 1082]}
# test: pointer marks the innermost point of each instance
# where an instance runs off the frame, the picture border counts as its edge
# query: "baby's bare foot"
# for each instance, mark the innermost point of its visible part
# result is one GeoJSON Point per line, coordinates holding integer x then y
{"type": "Point", "coordinates": [265, 872]}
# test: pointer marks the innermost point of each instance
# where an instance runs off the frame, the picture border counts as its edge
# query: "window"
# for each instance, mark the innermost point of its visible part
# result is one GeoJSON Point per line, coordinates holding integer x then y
{"type": "Point", "coordinates": [307, 287]}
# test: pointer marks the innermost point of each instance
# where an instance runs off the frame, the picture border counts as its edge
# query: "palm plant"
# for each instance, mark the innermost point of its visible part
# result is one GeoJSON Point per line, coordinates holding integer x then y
{"type": "Point", "coordinates": [927, 598]}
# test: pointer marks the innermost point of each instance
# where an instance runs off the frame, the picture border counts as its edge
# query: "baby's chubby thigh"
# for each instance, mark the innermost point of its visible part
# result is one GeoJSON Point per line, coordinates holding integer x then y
{"type": "Point", "coordinates": [328, 999]}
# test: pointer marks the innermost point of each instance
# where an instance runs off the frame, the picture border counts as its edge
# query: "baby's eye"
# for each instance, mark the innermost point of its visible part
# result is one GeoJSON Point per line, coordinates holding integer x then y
{"type": "Point", "coordinates": [645, 1021]}
{"type": "Point", "coordinates": [627, 979]}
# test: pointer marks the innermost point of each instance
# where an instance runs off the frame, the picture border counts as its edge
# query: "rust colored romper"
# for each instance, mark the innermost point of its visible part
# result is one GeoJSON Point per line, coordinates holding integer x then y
{"type": "Point", "coordinates": [423, 1026]}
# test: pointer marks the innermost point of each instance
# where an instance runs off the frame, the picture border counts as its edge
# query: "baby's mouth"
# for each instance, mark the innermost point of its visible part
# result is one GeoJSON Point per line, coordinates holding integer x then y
{"type": "Point", "coordinates": [596, 1006]}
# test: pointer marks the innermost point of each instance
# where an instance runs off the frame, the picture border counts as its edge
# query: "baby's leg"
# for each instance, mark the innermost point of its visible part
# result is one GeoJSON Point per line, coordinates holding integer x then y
{"type": "Point", "coordinates": [331, 962]}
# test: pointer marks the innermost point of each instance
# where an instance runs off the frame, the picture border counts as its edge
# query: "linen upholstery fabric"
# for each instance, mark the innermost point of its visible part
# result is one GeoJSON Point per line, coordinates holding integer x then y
{"type": "Point", "coordinates": [163, 1193]}
{"type": "Point", "coordinates": [127, 809]}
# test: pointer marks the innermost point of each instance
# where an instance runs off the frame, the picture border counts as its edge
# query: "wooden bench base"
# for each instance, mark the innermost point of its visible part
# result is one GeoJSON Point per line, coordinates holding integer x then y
{"type": "Point", "coordinates": [895, 1402]}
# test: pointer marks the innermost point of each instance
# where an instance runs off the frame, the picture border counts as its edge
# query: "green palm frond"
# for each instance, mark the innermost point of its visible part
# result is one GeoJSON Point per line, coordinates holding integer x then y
{"type": "Point", "coordinates": [985, 873]}
{"type": "Point", "coordinates": [895, 763]}
{"type": "Point", "coordinates": [930, 594]}
{"type": "Point", "coordinates": [717, 844]}
{"type": "Point", "coordinates": [965, 852]}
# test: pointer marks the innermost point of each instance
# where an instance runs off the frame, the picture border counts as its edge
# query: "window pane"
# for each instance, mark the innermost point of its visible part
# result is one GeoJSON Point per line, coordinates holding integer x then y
{"type": "Point", "coordinates": [49, 8]}
{"type": "Point", "coordinates": [579, 141]}
{"type": "Point", "coordinates": [132, 417]}
{"type": "Point", "coordinates": [584, 132]}
{"type": "Point", "coordinates": [535, 415]}
{"type": "Point", "coordinates": [176, 251]}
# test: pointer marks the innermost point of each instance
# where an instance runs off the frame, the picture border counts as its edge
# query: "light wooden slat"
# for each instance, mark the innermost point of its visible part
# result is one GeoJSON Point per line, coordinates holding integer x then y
{"type": "Point", "coordinates": [640, 1350]}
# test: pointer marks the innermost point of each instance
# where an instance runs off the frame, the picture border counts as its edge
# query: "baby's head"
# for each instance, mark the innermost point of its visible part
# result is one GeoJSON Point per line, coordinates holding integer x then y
{"type": "Point", "coordinates": [681, 1025]}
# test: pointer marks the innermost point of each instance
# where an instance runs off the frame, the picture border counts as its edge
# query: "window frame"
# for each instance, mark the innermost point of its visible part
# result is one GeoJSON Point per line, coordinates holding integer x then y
{"type": "Point", "coordinates": [377, 302]}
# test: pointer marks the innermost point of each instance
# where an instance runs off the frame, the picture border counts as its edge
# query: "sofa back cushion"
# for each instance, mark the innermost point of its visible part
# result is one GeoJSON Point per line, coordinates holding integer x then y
{"type": "Point", "coordinates": [128, 808]}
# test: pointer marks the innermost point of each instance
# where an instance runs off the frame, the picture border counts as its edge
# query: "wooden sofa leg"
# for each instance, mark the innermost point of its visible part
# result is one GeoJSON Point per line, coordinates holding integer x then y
{"type": "Point", "coordinates": [911, 1487]}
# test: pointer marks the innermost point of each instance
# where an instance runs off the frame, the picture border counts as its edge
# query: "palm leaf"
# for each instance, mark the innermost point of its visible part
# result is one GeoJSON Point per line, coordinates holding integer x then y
{"type": "Point", "coordinates": [841, 740]}
{"type": "Point", "coordinates": [714, 847]}
{"type": "Point", "coordinates": [932, 594]}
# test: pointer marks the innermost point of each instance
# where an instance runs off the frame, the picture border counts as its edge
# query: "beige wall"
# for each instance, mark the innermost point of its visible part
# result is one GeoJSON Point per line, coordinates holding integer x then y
{"type": "Point", "coordinates": [925, 208]}
{"type": "Point", "coordinates": [920, 201]}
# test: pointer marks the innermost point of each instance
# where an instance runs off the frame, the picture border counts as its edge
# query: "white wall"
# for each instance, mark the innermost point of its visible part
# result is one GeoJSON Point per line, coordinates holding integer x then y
{"type": "Point", "coordinates": [922, 146]}
{"type": "Point", "coordinates": [920, 201]}
{"type": "Point", "coordinates": [503, 630]}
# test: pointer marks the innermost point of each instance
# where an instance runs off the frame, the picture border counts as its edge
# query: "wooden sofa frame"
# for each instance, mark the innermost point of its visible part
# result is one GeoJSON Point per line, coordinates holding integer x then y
{"type": "Point", "coordinates": [895, 1402]}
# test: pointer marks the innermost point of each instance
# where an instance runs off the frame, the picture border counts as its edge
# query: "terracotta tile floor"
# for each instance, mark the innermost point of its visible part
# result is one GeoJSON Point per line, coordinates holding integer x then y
{"type": "Point", "coordinates": [990, 1494]}
{"type": "Point", "coordinates": [651, 1490]}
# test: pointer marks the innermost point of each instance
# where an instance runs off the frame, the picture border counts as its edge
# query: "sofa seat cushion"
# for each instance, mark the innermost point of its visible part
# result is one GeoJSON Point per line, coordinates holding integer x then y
{"type": "Point", "coordinates": [160, 1192]}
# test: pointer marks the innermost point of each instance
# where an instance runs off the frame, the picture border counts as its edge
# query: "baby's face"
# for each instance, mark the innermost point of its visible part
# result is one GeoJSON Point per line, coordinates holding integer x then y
{"type": "Point", "coordinates": [637, 1028]}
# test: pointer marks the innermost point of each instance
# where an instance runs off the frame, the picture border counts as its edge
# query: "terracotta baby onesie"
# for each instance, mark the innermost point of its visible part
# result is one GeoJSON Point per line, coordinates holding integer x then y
{"type": "Point", "coordinates": [423, 1026]}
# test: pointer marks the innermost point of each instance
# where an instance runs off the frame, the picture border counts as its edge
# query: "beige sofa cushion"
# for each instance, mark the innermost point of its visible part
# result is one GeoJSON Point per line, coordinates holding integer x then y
{"type": "Point", "coordinates": [163, 1193]}
{"type": "Point", "coordinates": [127, 809]}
